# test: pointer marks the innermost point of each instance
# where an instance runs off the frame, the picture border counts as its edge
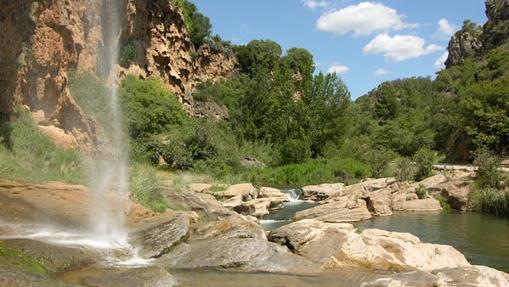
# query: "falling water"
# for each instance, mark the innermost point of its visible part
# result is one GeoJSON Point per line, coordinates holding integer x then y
{"type": "Point", "coordinates": [110, 172]}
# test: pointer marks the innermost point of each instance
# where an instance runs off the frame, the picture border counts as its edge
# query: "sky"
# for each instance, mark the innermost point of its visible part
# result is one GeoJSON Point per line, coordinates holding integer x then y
{"type": "Point", "coordinates": [366, 42]}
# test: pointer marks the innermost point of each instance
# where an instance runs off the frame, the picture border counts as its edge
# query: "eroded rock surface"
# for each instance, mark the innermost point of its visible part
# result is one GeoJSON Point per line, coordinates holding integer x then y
{"type": "Point", "coordinates": [339, 210]}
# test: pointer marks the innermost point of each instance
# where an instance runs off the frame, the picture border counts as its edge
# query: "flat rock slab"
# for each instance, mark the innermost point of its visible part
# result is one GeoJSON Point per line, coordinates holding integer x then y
{"type": "Point", "coordinates": [342, 210]}
{"type": "Point", "coordinates": [419, 205]}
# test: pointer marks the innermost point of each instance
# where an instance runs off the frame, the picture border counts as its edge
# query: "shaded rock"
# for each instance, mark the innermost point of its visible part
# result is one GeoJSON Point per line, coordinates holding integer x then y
{"type": "Point", "coordinates": [241, 254]}
{"type": "Point", "coordinates": [423, 205]}
{"type": "Point", "coordinates": [456, 192]}
{"type": "Point", "coordinates": [256, 207]}
{"type": "Point", "coordinates": [322, 191]}
{"type": "Point", "coordinates": [235, 243]}
{"type": "Point", "coordinates": [340, 210]}
{"type": "Point", "coordinates": [158, 237]}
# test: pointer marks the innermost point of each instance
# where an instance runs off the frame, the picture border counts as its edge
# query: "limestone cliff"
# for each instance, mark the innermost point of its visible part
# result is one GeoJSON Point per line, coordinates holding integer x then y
{"type": "Point", "coordinates": [472, 39]}
{"type": "Point", "coordinates": [45, 39]}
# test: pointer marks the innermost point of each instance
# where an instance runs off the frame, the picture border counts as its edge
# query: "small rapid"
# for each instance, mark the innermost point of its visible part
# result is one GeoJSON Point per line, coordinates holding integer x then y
{"type": "Point", "coordinates": [283, 216]}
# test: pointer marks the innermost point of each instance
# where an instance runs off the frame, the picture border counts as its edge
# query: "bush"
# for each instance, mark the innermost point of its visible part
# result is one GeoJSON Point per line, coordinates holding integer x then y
{"type": "Point", "coordinates": [488, 173]}
{"type": "Point", "coordinates": [422, 192]}
{"type": "Point", "coordinates": [149, 107]}
{"type": "Point", "coordinates": [379, 160]}
{"type": "Point", "coordinates": [145, 188]}
{"type": "Point", "coordinates": [31, 156]}
{"type": "Point", "coordinates": [127, 55]}
{"type": "Point", "coordinates": [405, 169]}
{"type": "Point", "coordinates": [490, 200]}
{"type": "Point", "coordinates": [424, 160]}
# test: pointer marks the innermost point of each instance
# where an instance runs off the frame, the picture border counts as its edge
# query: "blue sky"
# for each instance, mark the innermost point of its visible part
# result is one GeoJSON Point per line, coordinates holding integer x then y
{"type": "Point", "coordinates": [366, 42]}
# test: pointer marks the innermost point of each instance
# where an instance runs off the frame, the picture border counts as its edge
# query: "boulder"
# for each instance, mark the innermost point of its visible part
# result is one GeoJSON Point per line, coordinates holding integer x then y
{"type": "Point", "coordinates": [339, 210]}
{"type": "Point", "coordinates": [313, 239]}
{"type": "Point", "coordinates": [419, 205]}
{"type": "Point", "coordinates": [456, 192]}
{"type": "Point", "coordinates": [238, 244]}
{"type": "Point", "coordinates": [272, 193]}
{"type": "Point", "coordinates": [336, 245]}
{"type": "Point", "coordinates": [448, 277]}
{"type": "Point", "coordinates": [362, 189]}
{"type": "Point", "coordinates": [158, 237]}
{"type": "Point", "coordinates": [403, 251]}
{"type": "Point", "coordinates": [245, 190]}
{"type": "Point", "coordinates": [322, 191]}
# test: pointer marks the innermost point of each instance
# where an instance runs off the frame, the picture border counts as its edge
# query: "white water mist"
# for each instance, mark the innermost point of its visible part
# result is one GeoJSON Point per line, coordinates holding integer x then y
{"type": "Point", "coordinates": [109, 178]}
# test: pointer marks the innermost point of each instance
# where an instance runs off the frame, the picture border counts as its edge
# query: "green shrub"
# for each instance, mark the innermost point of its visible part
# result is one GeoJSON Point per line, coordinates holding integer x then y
{"type": "Point", "coordinates": [379, 160]}
{"type": "Point", "coordinates": [127, 55]}
{"type": "Point", "coordinates": [145, 188]}
{"type": "Point", "coordinates": [422, 192]}
{"type": "Point", "coordinates": [424, 160]}
{"type": "Point", "coordinates": [22, 260]}
{"type": "Point", "coordinates": [149, 107]}
{"type": "Point", "coordinates": [488, 173]}
{"type": "Point", "coordinates": [31, 156]}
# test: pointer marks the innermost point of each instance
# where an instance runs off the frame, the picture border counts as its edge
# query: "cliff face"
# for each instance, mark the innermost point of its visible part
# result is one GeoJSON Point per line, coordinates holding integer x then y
{"type": "Point", "coordinates": [48, 38]}
{"type": "Point", "coordinates": [157, 31]}
{"type": "Point", "coordinates": [43, 40]}
{"type": "Point", "coordinates": [472, 39]}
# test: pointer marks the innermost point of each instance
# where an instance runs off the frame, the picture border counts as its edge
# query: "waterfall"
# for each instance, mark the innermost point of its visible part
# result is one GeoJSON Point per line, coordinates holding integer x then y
{"type": "Point", "coordinates": [293, 194]}
{"type": "Point", "coordinates": [109, 177]}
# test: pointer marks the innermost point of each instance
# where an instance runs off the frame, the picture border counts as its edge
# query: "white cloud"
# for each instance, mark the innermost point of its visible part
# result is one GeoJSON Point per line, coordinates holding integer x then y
{"type": "Point", "coordinates": [364, 18]}
{"type": "Point", "coordinates": [400, 47]}
{"type": "Point", "coordinates": [338, 69]}
{"type": "Point", "coordinates": [440, 62]}
{"type": "Point", "coordinates": [445, 29]}
{"type": "Point", "coordinates": [313, 4]}
{"type": "Point", "coordinates": [381, 72]}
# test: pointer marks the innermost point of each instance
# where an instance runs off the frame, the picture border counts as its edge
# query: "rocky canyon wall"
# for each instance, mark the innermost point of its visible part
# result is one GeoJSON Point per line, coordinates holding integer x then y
{"type": "Point", "coordinates": [42, 41]}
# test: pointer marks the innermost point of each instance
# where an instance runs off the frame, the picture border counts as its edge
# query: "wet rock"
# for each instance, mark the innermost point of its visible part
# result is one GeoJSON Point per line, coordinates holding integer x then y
{"type": "Point", "coordinates": [338, 210]}
{"type": "Point", "coordinates": [122, 277]}
{"type": "Point", "coordinates": [158, 237]}
{"type": "Point", "coordinates": [419, 205]}
{"type": "Point", "coordinates": [14, 277]}
{"type": "Point", "coordinates": [322, 191]}
{"type": "Point", "coordinates": [408, 279]}
{"type": "Point", "coordinates": [55, 258]}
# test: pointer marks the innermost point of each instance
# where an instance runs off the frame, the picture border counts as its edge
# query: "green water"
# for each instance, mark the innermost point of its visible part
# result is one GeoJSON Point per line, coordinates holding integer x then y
{"type": "Point", "coordinates": [483, 239]}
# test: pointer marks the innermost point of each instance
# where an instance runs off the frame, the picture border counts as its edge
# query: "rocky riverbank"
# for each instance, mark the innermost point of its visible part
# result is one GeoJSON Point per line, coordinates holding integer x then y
{"type": "Point", "coordinates": [220, 231]}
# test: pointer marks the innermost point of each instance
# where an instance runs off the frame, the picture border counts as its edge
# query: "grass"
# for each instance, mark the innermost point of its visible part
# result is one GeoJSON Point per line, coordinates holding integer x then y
{"type": "Point", "coordinates": [310, 172]}
{"type": "Point", "coordinates": [21, 259]}
{"type": "Point", "coordinates": [28, 155]}
{"type": "Point", "coordinates": [490, 200]}
{"type": "Point", "coordinates": [145, 188]}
